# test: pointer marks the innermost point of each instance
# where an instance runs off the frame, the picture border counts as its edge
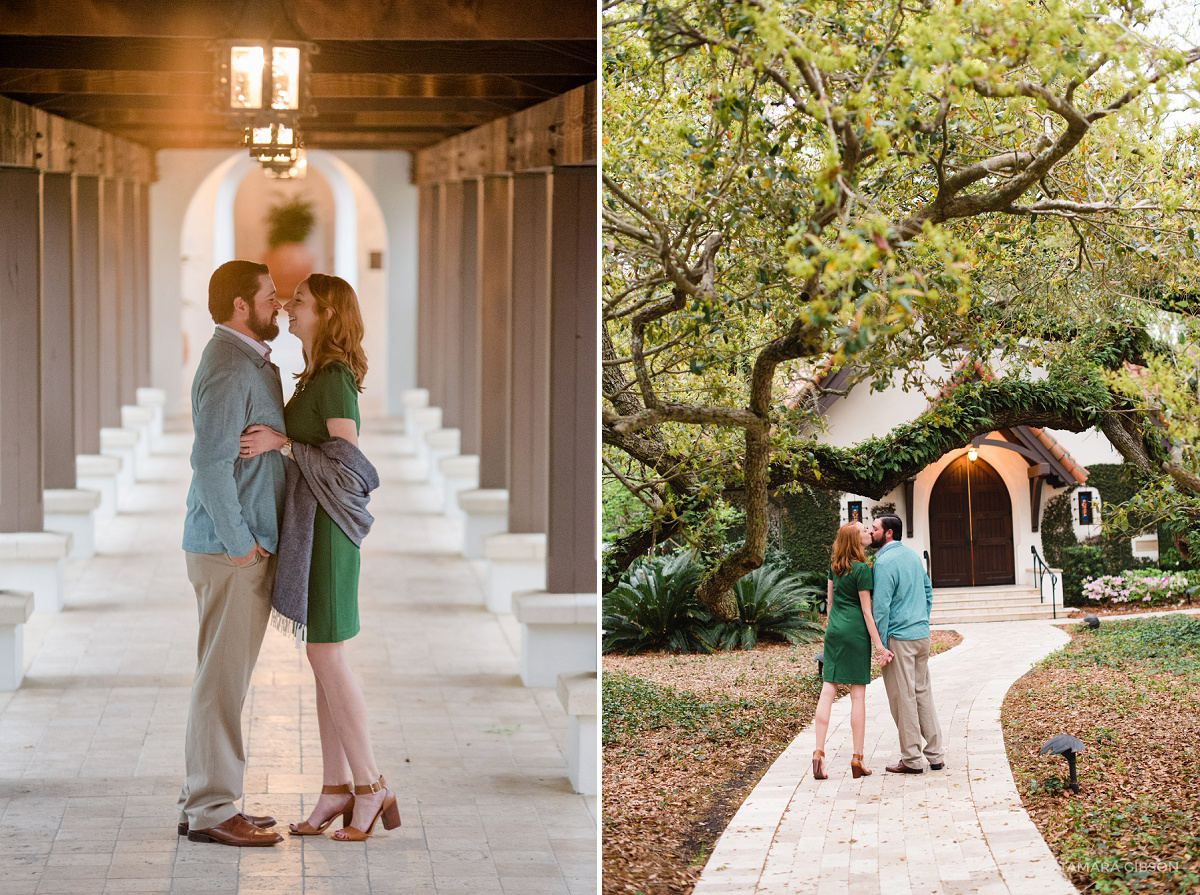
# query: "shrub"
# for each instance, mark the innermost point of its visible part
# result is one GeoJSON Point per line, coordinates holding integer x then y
{"type": "Point", "coordinates": [1079, 564]}
{"type": "Point", "coordinates": [808, 524]}
{"type": "Point", "coordinates": [1150, 587]}
{"type": "Point", "coordinates": [773, 603]}
{"type": "Point", "coordinates": [655, 607]}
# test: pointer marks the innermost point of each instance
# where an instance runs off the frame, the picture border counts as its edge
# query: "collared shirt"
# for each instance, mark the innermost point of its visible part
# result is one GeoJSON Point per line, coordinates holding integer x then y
{"type": "Point", "coordinates": [233, 503]}
{"type": "Point", "coordinates": [263, 349]}
{"type": "Point", "coordinates": [903, 597]}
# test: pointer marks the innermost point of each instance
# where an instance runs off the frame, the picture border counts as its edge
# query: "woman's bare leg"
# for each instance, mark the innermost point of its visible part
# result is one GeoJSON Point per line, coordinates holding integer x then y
{"type": "Point", "coordinates": [858, 716]}
{"type": "Point", "coordinates": [335, 770]}
{"type": "Point", "coordinates": [348, 711]}
{"type": "Point", "coordinates": [824, 707]}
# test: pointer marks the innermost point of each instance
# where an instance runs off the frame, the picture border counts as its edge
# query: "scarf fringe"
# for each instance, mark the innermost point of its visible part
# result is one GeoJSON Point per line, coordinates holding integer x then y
{"type": "Point", "coordinates": [290, 627]}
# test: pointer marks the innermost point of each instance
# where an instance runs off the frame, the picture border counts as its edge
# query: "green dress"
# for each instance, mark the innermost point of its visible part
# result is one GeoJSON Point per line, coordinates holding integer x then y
{"type": "Point", "coordinates": [847, 642]}
{"type": "Point", "coordinates": [333, 577]}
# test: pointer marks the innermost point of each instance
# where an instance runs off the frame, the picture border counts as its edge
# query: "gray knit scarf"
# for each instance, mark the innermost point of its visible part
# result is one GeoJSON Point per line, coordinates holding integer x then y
{"type": "Point", "coordinates": [338, 477]}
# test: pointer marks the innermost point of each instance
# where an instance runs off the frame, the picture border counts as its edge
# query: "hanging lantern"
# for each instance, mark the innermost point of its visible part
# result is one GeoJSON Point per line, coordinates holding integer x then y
{"type": "Point", "coordinates": [294, 170]}
{"type": "Point", "coordinates": [264, 79]}
{"type": "Point", "coordinates": [274, 142]}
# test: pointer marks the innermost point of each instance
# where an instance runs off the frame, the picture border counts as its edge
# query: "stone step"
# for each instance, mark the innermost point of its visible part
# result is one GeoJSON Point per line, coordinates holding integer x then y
{"type": "Point", "coordinates": [986, 595]}
{"type": "Point", "coordinates": [1010, 603]}
{"type": "Point", "coordinates": [1000, 614]}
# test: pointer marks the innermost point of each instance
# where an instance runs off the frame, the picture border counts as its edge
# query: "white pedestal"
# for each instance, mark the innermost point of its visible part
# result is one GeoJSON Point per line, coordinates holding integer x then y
{"type": "Point", "coordinates": [486, 514]}
{"type": "Point", "coordinates": [34, 561]}
{"type": "Point", "coordinates": [97, 472]}
{"type": "Point", "coordinates": [156, 400]}
{"type": "Point", "coordinates": [516, 562]}
{"type": "Point", "coordinates": [141, 421]}
{"type": "Point", "coordinates": [440, 444]}
{"type": "Point", "coordinates": [414, 399]}
{"type": "Point", "coordinates": [420, 422]}
{"type": "Point", "coordinates": [122, 444]}
{"type": "Point", "coordinates": [577, 693]}
{"type": "Point", "coordinates": [459, 473]}
{"type": "Point", "coordinates": [16, 606]}
{"type": "Point", "coordinates": [70, 510]}
{"type": "Point", "coordinates": [558, 634]}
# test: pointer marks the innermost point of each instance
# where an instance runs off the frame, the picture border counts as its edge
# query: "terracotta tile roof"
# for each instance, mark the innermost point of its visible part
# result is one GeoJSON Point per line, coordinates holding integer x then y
{"type": "Point", "coordinates": [1060, 453]}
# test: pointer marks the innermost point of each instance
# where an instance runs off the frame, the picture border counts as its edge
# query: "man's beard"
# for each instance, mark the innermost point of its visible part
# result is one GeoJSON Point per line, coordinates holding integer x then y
{"type": "Point", "coordinates": [876, 541]}
{"type": "Point", "coordinates": [264, 330]}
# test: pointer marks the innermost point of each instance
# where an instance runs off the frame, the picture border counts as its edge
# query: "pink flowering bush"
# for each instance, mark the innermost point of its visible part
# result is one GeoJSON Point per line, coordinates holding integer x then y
{"type": "Point", "coordinates": [1149, 587]}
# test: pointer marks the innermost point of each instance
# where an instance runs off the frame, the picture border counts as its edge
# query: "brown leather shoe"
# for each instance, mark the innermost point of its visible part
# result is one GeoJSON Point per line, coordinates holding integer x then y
{"type": "Point", "coordinates": [937, 767]}
{"type": "Point", "coordinates": [262, 821]}
{"type": "Point", "coordinates": [235, 831]}
{"type": "Point", "coordinates": [901, 768]}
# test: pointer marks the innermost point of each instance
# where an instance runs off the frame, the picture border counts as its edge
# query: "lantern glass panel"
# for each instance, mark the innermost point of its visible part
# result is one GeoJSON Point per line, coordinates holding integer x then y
{"type": "Point", "coordinates": [285, 78]}
{"type": "Point", "coordinates": [246, 77]}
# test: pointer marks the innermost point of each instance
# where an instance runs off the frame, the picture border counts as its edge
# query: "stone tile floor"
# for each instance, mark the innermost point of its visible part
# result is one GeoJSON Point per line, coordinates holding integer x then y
{"type": "Point", "coordinates": [959, 831]}
{"type": "Point", "coordinates": [91, 745]}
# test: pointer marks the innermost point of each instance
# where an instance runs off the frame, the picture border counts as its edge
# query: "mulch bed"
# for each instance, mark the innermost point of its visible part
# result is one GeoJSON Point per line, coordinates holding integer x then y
{"type": "Point", "coordinates": [674, 777]}
{"type": "Point", "coordinates": [1134, 826]}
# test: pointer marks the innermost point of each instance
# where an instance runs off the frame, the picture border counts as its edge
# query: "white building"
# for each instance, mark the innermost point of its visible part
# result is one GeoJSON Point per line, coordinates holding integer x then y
{"type": "Point", "coordinates": [975, 515]}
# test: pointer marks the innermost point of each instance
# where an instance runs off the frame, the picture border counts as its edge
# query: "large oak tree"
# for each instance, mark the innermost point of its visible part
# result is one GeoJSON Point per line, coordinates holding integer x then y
{"type": "Point", "coordinates": [795, 188]}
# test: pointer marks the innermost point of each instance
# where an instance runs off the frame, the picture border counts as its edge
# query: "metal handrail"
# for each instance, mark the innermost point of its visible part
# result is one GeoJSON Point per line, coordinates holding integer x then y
{"type": "Point", "coordinates": [926, 552]}
{"type": "Point", "coordinates": [1041, 570]}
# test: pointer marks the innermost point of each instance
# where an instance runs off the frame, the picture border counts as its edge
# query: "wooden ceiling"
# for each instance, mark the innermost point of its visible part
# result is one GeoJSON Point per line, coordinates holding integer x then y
{"type": "Point", "coordinates": [390, 74]}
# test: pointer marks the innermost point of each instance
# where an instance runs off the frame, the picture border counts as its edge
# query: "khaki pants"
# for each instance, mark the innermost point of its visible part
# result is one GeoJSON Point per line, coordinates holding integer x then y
{"type": "Point", "coordinates": [910, 695]}
{"type": "Point", "coordinates": [234, 604]}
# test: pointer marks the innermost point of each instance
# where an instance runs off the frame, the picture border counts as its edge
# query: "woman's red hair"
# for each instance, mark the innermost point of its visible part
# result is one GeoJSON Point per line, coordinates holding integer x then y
{"type": "Point", "coordinates": [339, 335]}
{"type": "Point", "coordinates": [847, 548]}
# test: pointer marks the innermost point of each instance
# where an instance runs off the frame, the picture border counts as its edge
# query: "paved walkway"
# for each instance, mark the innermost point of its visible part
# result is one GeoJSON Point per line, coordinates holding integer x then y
{"type": "Point", "coordinates": [91, 745]}
{"type": "Point", "coordinates": [961, 831]}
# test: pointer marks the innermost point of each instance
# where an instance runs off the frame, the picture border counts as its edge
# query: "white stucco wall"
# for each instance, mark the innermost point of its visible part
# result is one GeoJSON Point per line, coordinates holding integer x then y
{"type": "Point", "coordinates": [866, 414]}
{"type": "Point", "coordinates": [1087, 447]}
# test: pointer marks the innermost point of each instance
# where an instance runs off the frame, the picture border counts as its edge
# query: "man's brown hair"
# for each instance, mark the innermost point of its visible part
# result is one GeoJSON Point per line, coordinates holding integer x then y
{"type": "Point", "coordinates": [233, 279]}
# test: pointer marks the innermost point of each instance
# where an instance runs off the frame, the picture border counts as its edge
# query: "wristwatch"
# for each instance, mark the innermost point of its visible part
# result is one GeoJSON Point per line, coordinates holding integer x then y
{"type": "Point", "coordinates": [286, 450]}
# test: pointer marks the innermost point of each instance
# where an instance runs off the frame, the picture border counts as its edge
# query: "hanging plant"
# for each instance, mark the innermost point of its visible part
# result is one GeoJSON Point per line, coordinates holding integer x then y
{"type": "Point", "coordinates": [290, 221]}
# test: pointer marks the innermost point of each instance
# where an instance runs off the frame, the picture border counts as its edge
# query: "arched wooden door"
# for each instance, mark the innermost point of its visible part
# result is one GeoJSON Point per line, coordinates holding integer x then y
{"type": "Point", "coordinates": [970, 526]}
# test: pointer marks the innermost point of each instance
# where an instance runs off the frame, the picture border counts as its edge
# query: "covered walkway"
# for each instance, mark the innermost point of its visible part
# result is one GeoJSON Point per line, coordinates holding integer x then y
{"type": "Point", "coordinates": [91, 744]}
{"type": "Point", "coordinates": [960, 831]}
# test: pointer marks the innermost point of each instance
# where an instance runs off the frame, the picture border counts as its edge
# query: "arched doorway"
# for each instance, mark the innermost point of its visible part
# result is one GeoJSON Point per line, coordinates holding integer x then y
{"type": "Point", "coordinates": [970, 527]}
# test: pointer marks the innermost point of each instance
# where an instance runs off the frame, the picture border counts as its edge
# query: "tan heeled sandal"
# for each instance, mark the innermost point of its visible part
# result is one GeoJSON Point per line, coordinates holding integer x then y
{"type": "Point", "coordinates": [856, 767]}
{"type": "Point", "coordinates": [304, 828]}
{"type": "Point", "coordinates": [819, 765]}
{"type": "Point", "coordinates": [388, 810]}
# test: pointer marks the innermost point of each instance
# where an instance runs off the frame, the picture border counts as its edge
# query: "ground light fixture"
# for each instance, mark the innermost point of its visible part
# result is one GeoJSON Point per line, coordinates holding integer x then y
{"type": "Point", "coordinates": [820, 664]}
{"type": "Point", "coordinates": [1091, 621]}
{"type": "Point", "coordinates": [1068, 747]}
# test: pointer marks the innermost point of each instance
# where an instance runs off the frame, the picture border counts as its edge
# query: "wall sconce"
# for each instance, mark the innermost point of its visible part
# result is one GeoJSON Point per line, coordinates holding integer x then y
{"type": "Point", "coordinates": [972, 453]}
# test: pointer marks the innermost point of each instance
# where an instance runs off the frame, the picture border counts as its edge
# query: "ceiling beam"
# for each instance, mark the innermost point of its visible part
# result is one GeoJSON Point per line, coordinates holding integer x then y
{"type": "Point", "coordinates": [177, 54]}
{"type": "Point", "coordinates": [324, 84]}
{"type": "Point", "coordinates": [74, 104]}
{"type": "Point", "coordinates": [317, 19]}
{"type": "Point", "coordinates": [182, 116]}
